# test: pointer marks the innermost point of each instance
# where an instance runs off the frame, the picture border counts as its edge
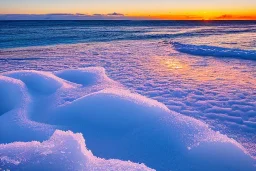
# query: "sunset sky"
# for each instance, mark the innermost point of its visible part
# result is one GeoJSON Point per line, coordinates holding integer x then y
{"type": "Point", "coordinates": [144, 9]}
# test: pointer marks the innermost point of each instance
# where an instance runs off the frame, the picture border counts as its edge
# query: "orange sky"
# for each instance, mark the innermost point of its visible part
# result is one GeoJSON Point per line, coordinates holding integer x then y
{"type": "Point", "coordinates": [139, 9]}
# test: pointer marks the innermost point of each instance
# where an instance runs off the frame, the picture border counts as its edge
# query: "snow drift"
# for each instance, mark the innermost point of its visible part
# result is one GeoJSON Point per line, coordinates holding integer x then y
{"type": "Point", "coordinates": [63, 151]}
{"type": "Point", "coordinates": [114, 122]}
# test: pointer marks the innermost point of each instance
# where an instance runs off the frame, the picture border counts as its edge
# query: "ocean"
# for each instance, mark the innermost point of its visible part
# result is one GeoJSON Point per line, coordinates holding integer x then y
{"type": "Point", "coordinates": [42, 33]}
{"type": "Point", "coordinates": [202, 69]}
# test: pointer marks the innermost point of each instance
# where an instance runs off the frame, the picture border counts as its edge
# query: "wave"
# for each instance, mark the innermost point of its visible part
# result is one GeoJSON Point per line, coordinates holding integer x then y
{"type": "Point", "coordinates": [205, 50]}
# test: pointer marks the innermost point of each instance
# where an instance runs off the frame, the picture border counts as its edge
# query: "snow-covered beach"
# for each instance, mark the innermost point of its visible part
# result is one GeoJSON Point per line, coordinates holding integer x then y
{"type": "Point", "coordinates": [160, 97]}
{"type": "Point", "coordinates": [114, 122]}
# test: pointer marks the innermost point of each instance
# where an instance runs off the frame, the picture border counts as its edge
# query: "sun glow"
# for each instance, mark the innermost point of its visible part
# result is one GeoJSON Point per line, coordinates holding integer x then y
{"type": "Point", "coordinates": [174, 64]}
{"type": "Point", "coordinates": [152, 10]}
{"type": "Point", "coordinates": [190, 70]}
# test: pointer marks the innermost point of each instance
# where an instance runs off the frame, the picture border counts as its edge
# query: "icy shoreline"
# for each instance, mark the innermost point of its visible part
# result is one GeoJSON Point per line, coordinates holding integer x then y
{"type": "Point", "coordinates": [204, 50]}
{"type": "Point", "coordinates": [114, 122]}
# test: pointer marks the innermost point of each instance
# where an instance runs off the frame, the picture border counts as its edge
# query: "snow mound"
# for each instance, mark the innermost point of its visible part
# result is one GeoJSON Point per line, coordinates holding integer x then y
{"type": "Point", "coordinates": [204, 50]}
{"type": "Point", "coordinates": [144, 131]}
{"type": "Point", "coordinates": [10, 94]}
{"type": "Point", "coordinates": [15, 122]}
{"type": "Point", "coordinates": [85, 76]}
{"type": "Point", "coordinates": [116, 124]}
{"type": "Point", "coordinates": [63, 151]}
{"type": "Point", "coordinates": [38, 82]}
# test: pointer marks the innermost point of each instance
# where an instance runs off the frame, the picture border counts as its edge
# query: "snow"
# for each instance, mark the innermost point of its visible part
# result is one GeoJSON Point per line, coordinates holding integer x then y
{"type": "Point", "coordinates": [63, 151]}
{"type": "Point", "coordinates": [83, 76]}
{"type": "Point", "coordinates": [40, 82]}
{"type": "Point", "coordinates": [10, 95]}
{"type": "Point", "coordinates": [115, 123]}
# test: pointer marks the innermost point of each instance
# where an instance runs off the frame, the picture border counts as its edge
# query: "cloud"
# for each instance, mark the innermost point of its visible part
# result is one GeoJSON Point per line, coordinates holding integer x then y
{"type": "Point", "coordinates": [63, 16]}
{"type": "Point", "coordinates": [81, 14]}
{"type": "Point", "coordinates": [234, 17]}
{"type": "Point", "coordinates": [177, 17]}
{"type": "Point", "coordinates": [225, 16]}
{"type": "Point", "coordinates": [98, 15]}
{"type": "Point", "coordinates": [115, 14]}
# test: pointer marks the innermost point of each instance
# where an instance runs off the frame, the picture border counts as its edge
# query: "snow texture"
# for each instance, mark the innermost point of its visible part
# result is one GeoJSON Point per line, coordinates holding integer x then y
{"type": "Point", "coordinates": [115, 123]}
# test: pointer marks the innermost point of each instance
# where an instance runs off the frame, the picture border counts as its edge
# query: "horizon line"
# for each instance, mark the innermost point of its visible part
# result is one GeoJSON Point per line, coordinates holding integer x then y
{"type": "Point", "coordinates": [128, 20]}
{"type": "Point", "coordinates": [120, 16]}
